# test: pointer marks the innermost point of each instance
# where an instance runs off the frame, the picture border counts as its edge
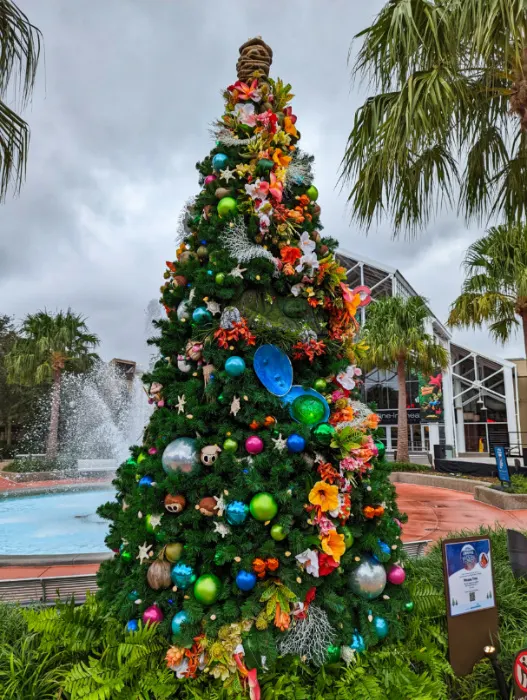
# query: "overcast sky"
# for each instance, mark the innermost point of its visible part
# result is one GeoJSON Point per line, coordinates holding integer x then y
{"type": "Point", "coordinates": [124, 98]}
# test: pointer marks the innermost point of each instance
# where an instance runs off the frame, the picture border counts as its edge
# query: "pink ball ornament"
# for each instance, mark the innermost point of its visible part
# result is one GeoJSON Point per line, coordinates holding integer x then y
{"type": "Point", "coordinates": [152, 451]}
{"type": "Point", "coordinates": [254, 445]}
{"type": "Point", "coordinates": [396, 574]}
{"type": "Point", "coordinates": [209, 179]}
{"type": "Point", "coordinates": [153, 615]}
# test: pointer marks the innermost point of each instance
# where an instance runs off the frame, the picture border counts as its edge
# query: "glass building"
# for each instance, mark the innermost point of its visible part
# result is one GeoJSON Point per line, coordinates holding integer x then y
{"type": "Point", "coordinates": [472, 405]}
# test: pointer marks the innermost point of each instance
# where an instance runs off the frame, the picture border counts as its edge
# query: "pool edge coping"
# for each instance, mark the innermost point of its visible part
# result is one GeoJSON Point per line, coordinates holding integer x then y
{"type": "Point", "coordinates": [55, 488]}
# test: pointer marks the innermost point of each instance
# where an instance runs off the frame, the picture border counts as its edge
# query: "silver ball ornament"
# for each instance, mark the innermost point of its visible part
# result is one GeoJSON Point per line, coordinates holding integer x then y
{"type": "Point", "coordinates": [368, 580]}
{"type": "Point", "coordinates": [180, 456]}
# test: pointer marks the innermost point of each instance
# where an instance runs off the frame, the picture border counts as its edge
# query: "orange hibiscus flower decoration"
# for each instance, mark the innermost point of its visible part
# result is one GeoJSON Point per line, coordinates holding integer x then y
{"type": "Point", "coordinates": [289, 127]}
{"type": "Point", "coordinates": [290, 255]}
{"type": "Point", "coordinates": [372, 421]}
{"type": "Point", "coordinates": [282, 620]}
{"type": "Point", "coordinates": [325, 496]}
{"type": "Point", "coordinates": [333, 544]}
{"type": "Point", "coordinates": [281, 159]}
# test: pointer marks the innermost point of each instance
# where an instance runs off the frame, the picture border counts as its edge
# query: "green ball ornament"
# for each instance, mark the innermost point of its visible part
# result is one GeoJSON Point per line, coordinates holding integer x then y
{"type": "Point", "coordinates": [126, 556]}
{"type": "Point", "coordinates": [263, 507]}
{"type": "Point", "coordinates": [323, 433]}
{"type": "Point", "coordinates": [381, 449]}
{"type": "Point", "coordinates": [207, 589]}
{"type": "Point", "coordinates": [230, 445]}
{"type": "Point", "coordinates": [141, 458]}
{"type": "Point", "coordinates": [409, 606]}
{"type": "Point", "coordinates": [312, 193]}
{"type": "Point", "coordinates": [333, 654]}
{"type": "Point", "coordinates": [348, 537]}
{"type": "Point", "coordinates": [220, 278]}
{"type": "Point", "coordinates": [307, 409]}
{"type": "Point", "coordinates": [320, 385]}
{"type": "Point", "coordinates": [227, 206]}
{"type": "Point", "coordinates": [221, 398]}
{"type": "Point", "coordinates": [278, 533]}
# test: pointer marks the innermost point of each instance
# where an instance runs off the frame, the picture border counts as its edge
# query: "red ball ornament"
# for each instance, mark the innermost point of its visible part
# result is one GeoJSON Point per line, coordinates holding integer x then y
{"type": "Point", "coordinates": [254, 445]}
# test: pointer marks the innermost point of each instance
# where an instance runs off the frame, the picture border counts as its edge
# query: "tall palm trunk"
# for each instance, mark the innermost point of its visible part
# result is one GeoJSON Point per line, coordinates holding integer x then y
{"type": "Point", "coordinates": [524, 327]}
{"type": "Point", "coordinates": [53, 436]}
{"type": "Point", "coordinates": [402, 417]}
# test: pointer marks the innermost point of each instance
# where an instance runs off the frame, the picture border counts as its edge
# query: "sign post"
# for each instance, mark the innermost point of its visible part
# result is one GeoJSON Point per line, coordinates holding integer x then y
{"type": "Point", "coordinates": [502, 466]}
{"type": "Point", "coordinates": [472, 614]}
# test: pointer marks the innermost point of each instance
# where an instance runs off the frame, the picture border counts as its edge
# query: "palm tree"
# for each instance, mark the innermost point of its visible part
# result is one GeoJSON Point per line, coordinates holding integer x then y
{"type": "Point", "coordinates": [447, 120]}
{"type": "Point", "coordinates": [48, 346]}
{"type": "Point", "coordinates": [396, 336]}
{"type": "Point", "coordinates": [495, 289]}
{"type": "Point", "coordinates": [19, 54]}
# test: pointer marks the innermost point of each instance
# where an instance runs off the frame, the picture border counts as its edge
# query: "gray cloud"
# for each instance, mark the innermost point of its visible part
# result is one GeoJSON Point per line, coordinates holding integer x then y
{"type": "Point", "coordinates": [119, 118]}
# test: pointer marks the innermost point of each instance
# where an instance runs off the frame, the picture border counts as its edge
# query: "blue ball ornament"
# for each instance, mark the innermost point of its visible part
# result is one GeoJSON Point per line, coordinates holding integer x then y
{"type": "Point", "coordinates": [146, 481]}
{"type": "Point", "coordinates": [201, 316]}
{"type": "Point", "coordinates": [357, 643]}
{"type": "Point", "coordinates": [246, 580]}
{"type": "Point", "coordinates": [295, 443]}
{"type": "Point", "coordinates": [235, 366]}
{"type": "Point", "coordinates": [219, 161]}
{"type": "Point", "coordinates": [381, 627]}
{"type": "Point", "coordinates": [132, 626]}
{"type": "Point", "coordinates": [179, 619]}
{"type": "Point", "coordinates": [182, 575]}
{"type": "Point", "coordinates": [236, 512]}
{"type": "Point", "coordinates": [385, 549]}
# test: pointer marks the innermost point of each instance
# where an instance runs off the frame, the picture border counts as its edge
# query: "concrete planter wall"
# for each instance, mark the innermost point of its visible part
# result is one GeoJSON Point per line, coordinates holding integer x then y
{"type": "Point", "coordinates": [480, 489]}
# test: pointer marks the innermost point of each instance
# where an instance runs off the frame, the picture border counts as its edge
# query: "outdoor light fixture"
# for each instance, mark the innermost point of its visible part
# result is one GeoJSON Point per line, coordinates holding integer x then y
{"type": "Point", "coordinates": [491, 654]}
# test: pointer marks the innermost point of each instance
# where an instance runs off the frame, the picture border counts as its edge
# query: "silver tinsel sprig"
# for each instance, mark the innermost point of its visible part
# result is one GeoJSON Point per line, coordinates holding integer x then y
{"type": "Point", "coordinates": [309, 638]}
{"type": "Point", "coordinates": [228, 138]}
{"type": "Point", "coordinates": [239, 246]}
{"type": "Point", "coordinates": [299, 172]}
{"type": "Point", "coordinates": [182, 228]}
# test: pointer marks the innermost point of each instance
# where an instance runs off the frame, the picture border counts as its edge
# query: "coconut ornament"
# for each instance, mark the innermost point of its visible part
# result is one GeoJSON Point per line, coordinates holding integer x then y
{"type": "Point", "coordinates": [158, 575]}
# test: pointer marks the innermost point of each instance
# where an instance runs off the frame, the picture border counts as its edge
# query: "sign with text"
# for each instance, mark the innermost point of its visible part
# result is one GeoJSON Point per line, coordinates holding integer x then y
{"type": "Point", "coordinates": [502, 465]}
{"type": "Point", "coordinates": [389, 416]}
{"type": "Point", "coordinates": [519, 675]}
{"type": "Point", "coordinates": [472, 614]}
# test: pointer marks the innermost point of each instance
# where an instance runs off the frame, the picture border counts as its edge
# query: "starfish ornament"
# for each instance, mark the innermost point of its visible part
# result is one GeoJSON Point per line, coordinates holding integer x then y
{"type": "Point", "coordinates": [155, 520]}
{"type": "Point", "coordinates": [227, 174]}
{"type": "Point", "coordinates": [279, 443]}
{"type": "Point", "coordinates": [144, 552]}
{"type": "Point", "coordinates": [220, 505]}
{"type": "Point", "coordinates": [238, 271]}
{"type": "Point", "coordinates": [235, 405]}
{"type": "Point", "coordinates": [222, 529]}
{"type": "Point", "coordinates": [319, 459]}
{"type": "Point", "coordinates": [181, 401]}
{"type": "Point", "coordinates": [213, 307]}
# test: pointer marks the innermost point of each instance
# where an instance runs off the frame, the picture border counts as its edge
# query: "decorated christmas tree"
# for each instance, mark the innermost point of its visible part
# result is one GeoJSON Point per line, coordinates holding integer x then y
{"type": "Point", "coordinates": [257, 519]}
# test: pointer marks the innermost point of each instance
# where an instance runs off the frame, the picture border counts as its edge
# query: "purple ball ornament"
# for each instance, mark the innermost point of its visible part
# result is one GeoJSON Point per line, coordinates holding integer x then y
{"type": "Point", "coordinates": [209, 179]}
{"type": "Point", "coordinates": [254, 445]}
{"type": "Point", "coordinates": [396, 575]}
{"type": "Point", "coordinates": [153, 615]}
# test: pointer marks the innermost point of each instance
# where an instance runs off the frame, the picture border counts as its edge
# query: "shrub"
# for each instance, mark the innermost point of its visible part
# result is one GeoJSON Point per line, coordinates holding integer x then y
{"type": "Point", "coordinates": [24, 465]}
{"type": "Point", "coordinates": [518, 483]}
{"type": "Point", "coordinates": [409, 467]}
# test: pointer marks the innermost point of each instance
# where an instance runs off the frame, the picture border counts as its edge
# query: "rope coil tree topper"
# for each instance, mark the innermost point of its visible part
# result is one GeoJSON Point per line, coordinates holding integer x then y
{"type": "Point", "coordinates": [255, 59]}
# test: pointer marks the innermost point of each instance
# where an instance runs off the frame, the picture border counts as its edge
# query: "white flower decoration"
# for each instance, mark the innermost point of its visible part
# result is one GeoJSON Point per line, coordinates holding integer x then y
{"type": "Point", "coordinates": [309, 560]}
{"type": "Point", "coordinates": [244, 113]}
{"type": "Point", "coordinates": [346, 379]}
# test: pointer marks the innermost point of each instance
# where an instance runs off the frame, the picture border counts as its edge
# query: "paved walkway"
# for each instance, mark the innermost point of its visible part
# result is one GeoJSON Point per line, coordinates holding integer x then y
{"type": "Point", "coordinates": [432, 514]}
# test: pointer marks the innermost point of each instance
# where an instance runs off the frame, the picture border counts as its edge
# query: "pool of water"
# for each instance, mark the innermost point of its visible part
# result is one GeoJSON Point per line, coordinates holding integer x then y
{"type": "Point", "coordinates": [53, 523]}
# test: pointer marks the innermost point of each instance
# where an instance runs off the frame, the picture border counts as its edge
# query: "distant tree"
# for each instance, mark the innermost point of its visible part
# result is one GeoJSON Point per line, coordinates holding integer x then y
{"type": "Point", "coordinates": [396, 336]}
{"type": "Point", "coordinates": [446, 121]}
{"type": "Point", "coordinates": [19, 55]}
{"type": "Point", "coordinates": [495, 289]}
{"type": "Point", "coordinates": [49, 345]}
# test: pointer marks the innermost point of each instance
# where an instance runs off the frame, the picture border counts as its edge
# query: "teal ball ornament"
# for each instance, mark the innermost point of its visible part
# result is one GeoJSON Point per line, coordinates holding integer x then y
{"type": "Point", "coordinates": [381, 449]}
{"type": "Point", "coordinates": [380, 627]}
{"type": "Point", "coordinates": [312, 193]}
{"type": "Point", "coordinates": [219, 161]}
{"type": "Point", "coordinates": [201, 316]}
{"type": "Point", "coordinates": [357, 643]}
{"type": "Point", "coordinates": [323, 433]}
{"type": "Point", "coordinates": [236, 512]}
{"type": "Point", "coordinates": [263, 507]}
{"type": "Point", "coordinates": [179, 619]}
{"type": "Point", "coordinates": [180, 455]}
{"type": "Point", "coordinates": [227, 206]}
{"type": "Point", "coordinates": [368, 580]}
{"type": "Point", "coordinates": [307, 409]}
{"type": "Point", "coordinates": [235, 366]}
{"type": "Point", "coordinates": [207, 589]}
{"type": "Point", "coordinates": [182, 575]}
